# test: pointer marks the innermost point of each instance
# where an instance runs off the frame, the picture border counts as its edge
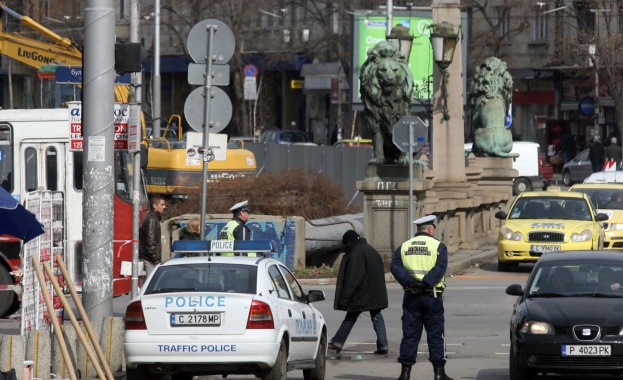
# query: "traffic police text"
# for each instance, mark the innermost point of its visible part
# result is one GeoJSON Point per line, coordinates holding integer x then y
{"type": "Point", "coordinates": [197, 348]}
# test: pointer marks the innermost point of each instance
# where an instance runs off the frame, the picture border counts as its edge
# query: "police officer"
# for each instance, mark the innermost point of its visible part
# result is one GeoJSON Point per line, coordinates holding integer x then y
{"type": "Point", "coordinates": [236, 229]}
{"type": "Point", "coordinates": [419, 265]}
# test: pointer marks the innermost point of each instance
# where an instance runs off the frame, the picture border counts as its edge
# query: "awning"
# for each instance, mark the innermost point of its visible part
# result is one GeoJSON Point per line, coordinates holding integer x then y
{"type": "Point", "coordinates": [275, 61]}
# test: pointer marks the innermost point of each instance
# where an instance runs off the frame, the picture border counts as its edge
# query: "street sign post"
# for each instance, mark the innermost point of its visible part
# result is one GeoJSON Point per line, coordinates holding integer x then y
{"type": "Point", "coordinates": [410, 134]}
{"type": "Point", "coordinates": [196, 74]}
{"type": "Point", "coordinates": [211, 43]}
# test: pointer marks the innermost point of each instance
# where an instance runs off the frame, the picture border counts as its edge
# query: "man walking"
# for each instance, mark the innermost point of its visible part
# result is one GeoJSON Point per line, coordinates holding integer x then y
{"type": "Point", "coordinates": [419, 265]}
{"type": "Point", "coordinates": [150, 243]}
{"type": "Point", "coordinates": [596, 155]}
{"type": "Point", "coordinates": [614, 153]}
{"type": "Point", "coordinates": [360, 287]}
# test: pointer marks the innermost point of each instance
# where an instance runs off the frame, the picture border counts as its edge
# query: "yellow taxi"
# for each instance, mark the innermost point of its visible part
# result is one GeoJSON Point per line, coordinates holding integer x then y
{"type": "Point", "coordinates": [607, 198]}
{"type": "Point", "coordinates": [541, 222]}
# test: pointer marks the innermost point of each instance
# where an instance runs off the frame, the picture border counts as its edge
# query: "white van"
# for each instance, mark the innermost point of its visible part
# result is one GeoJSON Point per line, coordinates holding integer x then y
{"type": "Point", "coordinates": [527, 164]}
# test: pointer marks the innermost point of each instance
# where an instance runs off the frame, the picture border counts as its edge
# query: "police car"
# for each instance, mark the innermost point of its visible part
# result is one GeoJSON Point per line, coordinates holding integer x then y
{"type": "Point", "coordinates": [543, 222]}
{"type": "Point", "coordinates": [206, 314]}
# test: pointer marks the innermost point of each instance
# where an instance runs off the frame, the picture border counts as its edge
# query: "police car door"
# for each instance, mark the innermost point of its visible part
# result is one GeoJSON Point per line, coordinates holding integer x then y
{"type": "Point", "coordinates": [290, 311]}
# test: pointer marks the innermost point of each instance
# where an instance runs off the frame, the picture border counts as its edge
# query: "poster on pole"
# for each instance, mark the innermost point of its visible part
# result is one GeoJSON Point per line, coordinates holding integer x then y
{"type": "Point", "coordinates": [121, 113]}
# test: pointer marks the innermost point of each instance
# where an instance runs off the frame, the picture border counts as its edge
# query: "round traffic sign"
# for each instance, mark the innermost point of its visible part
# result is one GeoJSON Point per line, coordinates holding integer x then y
{"type": "Point", "coordinates": [220, 110]}
{"type": "Point", "coordinates": [250, 71]}
{"type": "Point", "coordinates": [223, 46]}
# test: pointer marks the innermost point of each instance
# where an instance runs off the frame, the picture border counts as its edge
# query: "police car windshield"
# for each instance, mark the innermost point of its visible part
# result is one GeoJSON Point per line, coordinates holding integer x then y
{"type": "Point", "coordinates": [208, 277]}
{"type": "Point", "coordinates": [551, 208]}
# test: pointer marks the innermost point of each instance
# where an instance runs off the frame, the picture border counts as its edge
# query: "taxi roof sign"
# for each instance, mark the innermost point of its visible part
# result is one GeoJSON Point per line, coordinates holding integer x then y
{"type": "Point", "coordinates": [220, 246]}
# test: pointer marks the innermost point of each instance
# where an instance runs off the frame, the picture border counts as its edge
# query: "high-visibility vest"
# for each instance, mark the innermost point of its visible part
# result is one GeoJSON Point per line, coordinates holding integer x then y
{"type": "Point", "coordinates": [419, 256]}
{"type": "Point", "coordinates": [227, 233]}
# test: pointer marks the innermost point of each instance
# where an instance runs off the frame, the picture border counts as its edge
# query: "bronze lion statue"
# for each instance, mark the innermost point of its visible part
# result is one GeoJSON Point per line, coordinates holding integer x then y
{"type": "Point", "coordinates": [386, 92]}
{"type": "Point", "coordinates": [491, 92]}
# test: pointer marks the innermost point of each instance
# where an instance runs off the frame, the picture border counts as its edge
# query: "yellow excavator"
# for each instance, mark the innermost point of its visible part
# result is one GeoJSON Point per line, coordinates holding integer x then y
{"type": "Point", "coordinates": [168, 171]}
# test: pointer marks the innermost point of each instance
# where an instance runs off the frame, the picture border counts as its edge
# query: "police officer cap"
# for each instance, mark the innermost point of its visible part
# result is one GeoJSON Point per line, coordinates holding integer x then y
{"type": "Point", "coordinates": [428, 219]}
{"type": "Point", "coordinates": [242, 206]}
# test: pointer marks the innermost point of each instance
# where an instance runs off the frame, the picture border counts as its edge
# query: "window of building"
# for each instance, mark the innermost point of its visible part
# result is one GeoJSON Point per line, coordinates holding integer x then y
{"type": "Point", "coordinates": [123, 9]}
{"type": "Point", "coordinates": [539, 25]}
{"type": "Point", "coordinates": [51, 168]}
{"type": "Point", "coordinates": [6, 158]}
{"type": "Point", "coordinates": [502, 22]}
{"type": "Point", "coordinates": [585, 19]}
{"type": "Point", "coordinates": [30, 158]}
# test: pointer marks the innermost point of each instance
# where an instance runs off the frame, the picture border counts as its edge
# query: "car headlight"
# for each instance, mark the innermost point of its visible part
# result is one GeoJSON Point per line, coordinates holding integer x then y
{"type": "Point", "coordinates": [537, 328]}
{"type": "Point", "coordinates": [508, 234]}
{"type": "Point", "coordinates": [585, 235]}
{"type": "Point", "coordinates": [616, 226]}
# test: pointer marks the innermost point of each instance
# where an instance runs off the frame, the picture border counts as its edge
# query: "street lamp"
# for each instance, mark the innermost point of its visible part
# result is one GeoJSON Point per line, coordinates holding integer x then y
{"type": "Point", "coordinates": [401, 39]}
{"type": "Point", "coordinates": [444, 40]}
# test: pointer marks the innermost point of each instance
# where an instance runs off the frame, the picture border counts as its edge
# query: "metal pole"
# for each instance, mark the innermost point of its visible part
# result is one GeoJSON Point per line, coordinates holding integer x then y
{"type": "Point", "coordinates": [156, 79]}
{"type": "Point", "coordinates": [390, 16]}
{"type": "Point", "coordinates": [98, 129]}
{"type": "Point", "coordinates": [136, 157]}
{"type": "Point", "coordinates": [206, 117]}
{"type": "Point", "coordinates": [411, 142]}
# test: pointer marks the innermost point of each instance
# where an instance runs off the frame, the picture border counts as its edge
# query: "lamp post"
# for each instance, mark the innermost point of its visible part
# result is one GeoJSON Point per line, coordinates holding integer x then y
{"type": "Point", "coordinates": [444, 40]}
{"type": "Point", "coordinates": [401, 39]}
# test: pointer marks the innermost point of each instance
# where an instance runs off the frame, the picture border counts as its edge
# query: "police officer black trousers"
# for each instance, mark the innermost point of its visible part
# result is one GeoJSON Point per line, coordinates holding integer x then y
{"type": "Point", "coordinates": [423, 311]}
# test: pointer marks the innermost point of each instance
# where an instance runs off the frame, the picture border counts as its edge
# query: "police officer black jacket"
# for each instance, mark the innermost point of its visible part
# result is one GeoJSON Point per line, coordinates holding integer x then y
{"type": "Point", "coordinates": [361, 280]}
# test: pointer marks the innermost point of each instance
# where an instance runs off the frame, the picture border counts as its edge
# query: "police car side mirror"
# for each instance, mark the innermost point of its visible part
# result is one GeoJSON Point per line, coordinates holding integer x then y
{"type": "Point", "coordinates": [601, 217]}
{"type": "Point", "coordinates": [315, 295]}
{"type": "Point", "coordinates": [500, 215]}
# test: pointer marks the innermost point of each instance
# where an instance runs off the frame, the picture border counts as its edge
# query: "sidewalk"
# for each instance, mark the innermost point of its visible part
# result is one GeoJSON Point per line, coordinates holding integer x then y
{"type": "Point", "coordinates": [457, 263]}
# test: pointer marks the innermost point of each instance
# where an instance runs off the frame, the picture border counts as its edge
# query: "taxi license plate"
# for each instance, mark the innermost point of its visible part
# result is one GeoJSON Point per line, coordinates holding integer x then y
{"type": "Point", "coordinates": [545, 248]}
{"type": "Point", "coordinates": [581, 350]}
{"type": "Point", "coordinates": [198, 319]}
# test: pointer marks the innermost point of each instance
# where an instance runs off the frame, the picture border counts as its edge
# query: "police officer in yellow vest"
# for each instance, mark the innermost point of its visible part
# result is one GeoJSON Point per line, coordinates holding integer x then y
{"type": "Point", "coordinates": [236, 229]}
{"type": "Point", "coordinates": [419, 265]}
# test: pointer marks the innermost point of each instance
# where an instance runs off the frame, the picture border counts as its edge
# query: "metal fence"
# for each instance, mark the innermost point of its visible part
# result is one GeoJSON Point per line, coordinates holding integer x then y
{"type": "Point", "coordinates": [343, 165]}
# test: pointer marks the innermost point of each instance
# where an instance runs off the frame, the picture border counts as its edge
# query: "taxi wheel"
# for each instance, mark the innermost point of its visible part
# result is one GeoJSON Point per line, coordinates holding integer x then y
{"type": "Point", "coordinates": [280, 369]}
{"type": "Point", "coordinates": [320, 363]}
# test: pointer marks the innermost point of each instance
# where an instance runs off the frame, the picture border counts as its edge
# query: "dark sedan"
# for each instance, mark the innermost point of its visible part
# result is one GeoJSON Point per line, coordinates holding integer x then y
{"type": "Point", "coordinates": [569, 318]}
{"type": "Point", "coordinates": [576, 170]}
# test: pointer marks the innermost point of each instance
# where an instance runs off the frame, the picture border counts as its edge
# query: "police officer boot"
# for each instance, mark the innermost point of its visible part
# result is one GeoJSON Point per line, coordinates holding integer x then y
{"type": "Point", "coordinates": [405, 374]}
{"type": "Point", "coordinates": [440, 373]}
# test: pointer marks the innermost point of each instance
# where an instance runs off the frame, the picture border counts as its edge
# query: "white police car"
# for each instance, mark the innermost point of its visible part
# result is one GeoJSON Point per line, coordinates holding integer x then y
{"type": "Point", "coordinates": [219, 315]}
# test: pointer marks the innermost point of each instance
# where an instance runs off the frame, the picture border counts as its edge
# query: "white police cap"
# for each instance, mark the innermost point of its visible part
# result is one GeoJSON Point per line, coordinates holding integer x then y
{"type": "Point", "coordinates": [428, 219]}
{"type": "Point", "coordinates": [244, 205]}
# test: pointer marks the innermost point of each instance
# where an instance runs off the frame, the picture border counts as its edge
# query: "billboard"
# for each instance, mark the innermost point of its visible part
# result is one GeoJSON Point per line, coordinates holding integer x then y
{"type": "Point", "coordinates": [370, 28]}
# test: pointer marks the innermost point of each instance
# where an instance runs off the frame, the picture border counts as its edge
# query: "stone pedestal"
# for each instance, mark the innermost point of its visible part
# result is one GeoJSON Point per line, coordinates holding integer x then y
{"type": "Point", "coordinates": [497, 174]}
{"type": "Point", "coordinates": [386, 204]}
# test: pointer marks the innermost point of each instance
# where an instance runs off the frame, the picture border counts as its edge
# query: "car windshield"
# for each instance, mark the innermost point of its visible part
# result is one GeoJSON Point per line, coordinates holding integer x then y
{"type": "Point", "coordinates": [577, 279]}
{"type": "Point", "coordinates": [208, 277]}
{"type": "Point", "coordinates": [293, 137]}
{"type": "Point", "coordinates": [551, 208]}
{"type": "Point", "coordinates": [604, 198]}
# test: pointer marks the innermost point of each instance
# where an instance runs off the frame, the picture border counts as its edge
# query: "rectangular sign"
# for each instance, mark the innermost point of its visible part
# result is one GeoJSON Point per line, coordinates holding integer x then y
{"type": "Point", "coordinates": [220, 74]}
{"type": "Point", "coordinates": [222, 245]}
{"type": "Point", "coordinates": [297, 83]}
{"type": "Point", "coordinates": [134, 129]}
{"type": "Point", "coordinates": [250, 88]}
{"type": "Point", "coordinates": [121, 119]}
{"type": "Point", "coordinates": [73, 75]}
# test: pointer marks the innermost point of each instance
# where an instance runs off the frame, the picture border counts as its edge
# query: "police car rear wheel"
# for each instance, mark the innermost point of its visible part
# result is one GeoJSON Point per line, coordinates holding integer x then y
{"type": "Point", "coordinates": [320, 362]}
{"type": "Point", "coordinates": [279, 370]}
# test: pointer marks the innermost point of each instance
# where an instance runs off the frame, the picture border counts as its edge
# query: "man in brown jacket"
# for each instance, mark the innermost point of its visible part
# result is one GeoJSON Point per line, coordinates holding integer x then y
{"type": "Point", "coordinates": [150, 243]}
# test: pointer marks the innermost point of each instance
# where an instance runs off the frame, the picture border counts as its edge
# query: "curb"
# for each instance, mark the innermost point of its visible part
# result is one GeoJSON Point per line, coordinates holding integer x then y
{"type": "Point", "coordinates": [455, 266]}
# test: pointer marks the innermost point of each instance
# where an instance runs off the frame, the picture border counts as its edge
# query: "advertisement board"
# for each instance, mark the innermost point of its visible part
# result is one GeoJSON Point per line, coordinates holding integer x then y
{"type": "Point", "coordinates": [370, 28]}
{"type": "Point", "coordinates": [121, 117]}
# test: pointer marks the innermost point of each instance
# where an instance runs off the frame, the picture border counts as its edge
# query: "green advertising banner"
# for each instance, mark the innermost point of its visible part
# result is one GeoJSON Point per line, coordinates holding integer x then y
{"type": "Point", "coordinates": [373, 29]}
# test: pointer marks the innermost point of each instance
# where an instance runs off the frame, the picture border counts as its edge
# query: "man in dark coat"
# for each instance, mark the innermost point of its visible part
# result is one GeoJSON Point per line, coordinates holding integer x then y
{"type": "Point", "coordinates": [614, 153]}
{"type": "Point", "coordinates": [150, 243]}
{"type": "Point", "coordinates": [597, 155]}
{"type": "Point", "coordinates": [360, 287]}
